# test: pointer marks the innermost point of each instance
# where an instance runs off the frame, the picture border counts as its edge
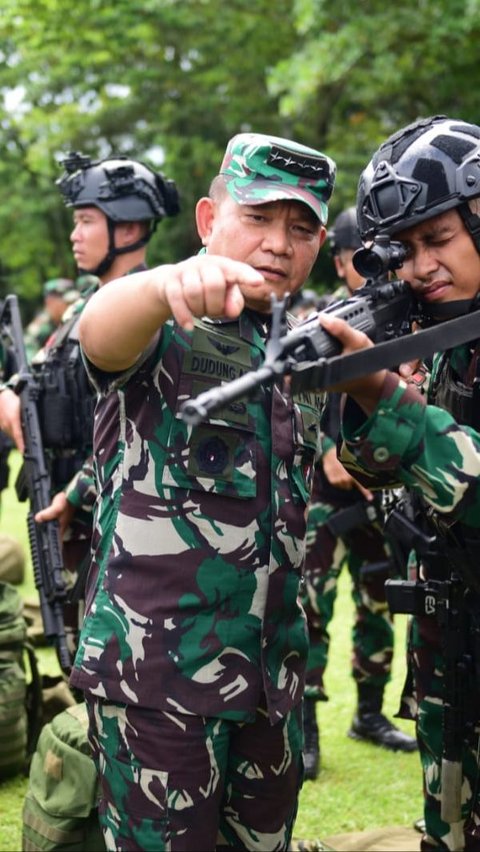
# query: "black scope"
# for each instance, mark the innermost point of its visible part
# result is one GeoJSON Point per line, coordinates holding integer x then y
{"type": "Point", "coordinates": [383, 256]}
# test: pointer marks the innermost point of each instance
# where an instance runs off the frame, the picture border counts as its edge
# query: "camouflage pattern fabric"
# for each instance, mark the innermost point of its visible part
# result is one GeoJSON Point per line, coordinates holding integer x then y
{"type": "Point", "coordinates": [424, 447]}
{"type": "Point", "coordinates": [37, 333]}
{"type": "Point", "coordinates": [259, 169]}
{"type": "Point", "coordinates": [81, 490]}
{"type": "Point", "coordinates": [426, 664]}
{"type": "Point", "coordinates": [199, 534]}
{"type": "Point", "coordinates": [372, 632]}
{"type": "Point", "coordinates": [192, 600]}
{"type": "Point", "coordinates": [173, 781]}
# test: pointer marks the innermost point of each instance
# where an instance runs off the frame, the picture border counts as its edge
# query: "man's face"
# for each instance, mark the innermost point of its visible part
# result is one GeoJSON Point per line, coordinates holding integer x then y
{"type": "Point", "coordinates": [89, 237]}
{"type": "Point", "coordinates": [346, 270]}
{"type": "Point", "coordinates": [280, 239]}
{"type": "Point", "coordinates": [443, 264]}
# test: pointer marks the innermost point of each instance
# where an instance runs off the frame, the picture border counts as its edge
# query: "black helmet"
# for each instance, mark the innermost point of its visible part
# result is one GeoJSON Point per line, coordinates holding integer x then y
{"type": "Point", "coordinates": [427, 168]}
{"type": "Point", "coordinates": [344, 233]}
{"type": "Point", "coordinates": [124, 190]}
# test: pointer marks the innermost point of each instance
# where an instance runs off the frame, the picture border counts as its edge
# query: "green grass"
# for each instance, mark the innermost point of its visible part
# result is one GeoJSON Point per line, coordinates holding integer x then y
{"type": "Point", "coordinates": [359, 787]}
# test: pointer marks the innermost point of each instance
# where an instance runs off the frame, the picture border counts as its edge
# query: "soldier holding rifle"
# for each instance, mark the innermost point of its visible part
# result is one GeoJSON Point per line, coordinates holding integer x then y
{"type": "Point", "coordinates": [422, 187]}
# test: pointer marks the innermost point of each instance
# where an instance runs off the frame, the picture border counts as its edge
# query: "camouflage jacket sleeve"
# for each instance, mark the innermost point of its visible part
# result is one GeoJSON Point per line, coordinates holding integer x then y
{"type": "Point", "coordinates": [405, 441]}
{"type": "Point", "coordinates": [330, 422]}
{"type": "Point", "coordinates": [81, 491]}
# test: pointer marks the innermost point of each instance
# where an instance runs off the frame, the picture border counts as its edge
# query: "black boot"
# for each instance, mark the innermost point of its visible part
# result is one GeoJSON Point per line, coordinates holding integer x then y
{"type": "Point", "coordinates": [311, 749]}
{"type": "Point", "coordinates": [370, 724]}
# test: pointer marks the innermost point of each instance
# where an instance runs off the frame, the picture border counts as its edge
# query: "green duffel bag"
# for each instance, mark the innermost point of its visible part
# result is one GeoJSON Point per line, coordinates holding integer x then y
{"type": "Point", "coordinates": [60, 808]}
{"type": "Point", "coordinates": [20, 695]}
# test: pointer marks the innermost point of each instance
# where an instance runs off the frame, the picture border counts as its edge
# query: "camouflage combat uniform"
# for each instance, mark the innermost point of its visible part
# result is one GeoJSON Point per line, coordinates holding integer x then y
{"type": "Point", "coordinates": [360, 548]}
{"type": "Point", "coordinates": [437, 455]}
{"type": "Point", "coordinates": [194, 642]}
{"type": "Point", "coordinates": [37, 333]}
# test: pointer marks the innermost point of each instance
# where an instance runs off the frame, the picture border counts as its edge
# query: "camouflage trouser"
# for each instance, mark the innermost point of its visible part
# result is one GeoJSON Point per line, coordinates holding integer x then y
{"type": "Point", "coordinates": [372, 632]}
{"type": "Point", "coordinates": [174, 781]}
{"type": "Point", "coordinates": [426, 667]}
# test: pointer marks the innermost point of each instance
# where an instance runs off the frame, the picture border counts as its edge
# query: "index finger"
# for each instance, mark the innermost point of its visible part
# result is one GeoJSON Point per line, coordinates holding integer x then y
{"type": "Point", "coordinates": [209, 285]}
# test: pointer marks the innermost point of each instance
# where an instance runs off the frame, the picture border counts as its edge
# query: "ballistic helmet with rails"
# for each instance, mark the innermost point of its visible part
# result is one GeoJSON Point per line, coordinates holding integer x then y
{"type": "Point", "coordinates": [124, 190]}
{"type": "Point", "coordinates": [423, 170]}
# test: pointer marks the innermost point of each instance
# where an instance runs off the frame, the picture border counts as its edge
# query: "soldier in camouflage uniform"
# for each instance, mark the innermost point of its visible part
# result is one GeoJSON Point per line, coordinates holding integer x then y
{"type": "Point", "coordinates": [58, 294]}
{"type": "Point", "coordinates": [423, 187]}
{"type": "Point", "coordinates": [338, 499]}
{"type": "Point", "coordinates": [116, 203]}
{"type": "Point", "coordinates": [194, 643]}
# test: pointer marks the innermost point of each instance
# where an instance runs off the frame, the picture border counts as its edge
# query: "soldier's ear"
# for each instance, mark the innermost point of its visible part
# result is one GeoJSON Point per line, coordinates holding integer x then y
{"type": "Point", "coordinates": [339, 265]}
{"type": "Point", "coordinates": [128, 233]}
{"type": "Point", "coordinates": [205, 212]}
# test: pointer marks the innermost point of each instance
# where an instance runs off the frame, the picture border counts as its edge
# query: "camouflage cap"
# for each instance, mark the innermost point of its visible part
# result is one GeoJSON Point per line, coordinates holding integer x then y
{"type": "Point", "coordinates": [57, 286]}
{"type": "Point", "coordinates": [259, 168]}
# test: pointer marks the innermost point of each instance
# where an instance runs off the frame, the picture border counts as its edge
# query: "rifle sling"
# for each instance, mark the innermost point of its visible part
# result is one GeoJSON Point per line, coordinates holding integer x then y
{"type": "Point", "coordinates": [327, 373]}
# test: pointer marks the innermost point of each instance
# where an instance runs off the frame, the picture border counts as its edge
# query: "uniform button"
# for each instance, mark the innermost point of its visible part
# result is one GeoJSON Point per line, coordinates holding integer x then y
{"type": "Point", "coordinates": [381, 454]}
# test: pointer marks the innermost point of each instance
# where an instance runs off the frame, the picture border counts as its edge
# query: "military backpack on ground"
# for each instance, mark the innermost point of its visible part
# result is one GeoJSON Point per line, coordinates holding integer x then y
{"type": "Point", "coordinates": [20, 695]}
{"type": "Point", "coordinates": [60, 808]}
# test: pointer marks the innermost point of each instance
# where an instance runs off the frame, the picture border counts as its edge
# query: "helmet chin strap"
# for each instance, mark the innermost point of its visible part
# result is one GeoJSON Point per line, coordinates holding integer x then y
{"type": "Point", "coordinates": [113, 251]}
{"type": "Point", "coordinates": [471, 222]}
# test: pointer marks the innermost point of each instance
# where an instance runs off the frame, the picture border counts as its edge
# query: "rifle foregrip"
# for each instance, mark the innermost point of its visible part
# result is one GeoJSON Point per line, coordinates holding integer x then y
{"type": "Point", "coordinates": [51, 589]}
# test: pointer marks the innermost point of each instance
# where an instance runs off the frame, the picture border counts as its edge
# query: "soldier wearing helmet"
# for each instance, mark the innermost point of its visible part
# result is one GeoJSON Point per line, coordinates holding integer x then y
{"type": "Point", "coordinates": [422, 187]}
{"type": "Point", "coordinates": [124, 198]}
{"type": "Point", "coordinates": [117, 203]}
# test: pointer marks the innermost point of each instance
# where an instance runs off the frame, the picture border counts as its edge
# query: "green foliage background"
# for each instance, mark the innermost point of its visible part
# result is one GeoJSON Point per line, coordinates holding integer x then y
{"type": "Point", "coordinates": [169, 81]}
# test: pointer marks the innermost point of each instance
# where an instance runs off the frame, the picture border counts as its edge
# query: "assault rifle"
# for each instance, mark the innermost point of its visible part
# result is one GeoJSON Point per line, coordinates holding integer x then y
{"type": "Point", "coordinates": [33, 483]}
{"type": "Point", "coordinates": [384, 309]}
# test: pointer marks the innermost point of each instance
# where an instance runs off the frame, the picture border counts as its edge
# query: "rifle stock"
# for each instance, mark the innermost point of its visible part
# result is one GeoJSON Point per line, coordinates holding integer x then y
{"type": "Point", "coordinates": [33, 483]}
